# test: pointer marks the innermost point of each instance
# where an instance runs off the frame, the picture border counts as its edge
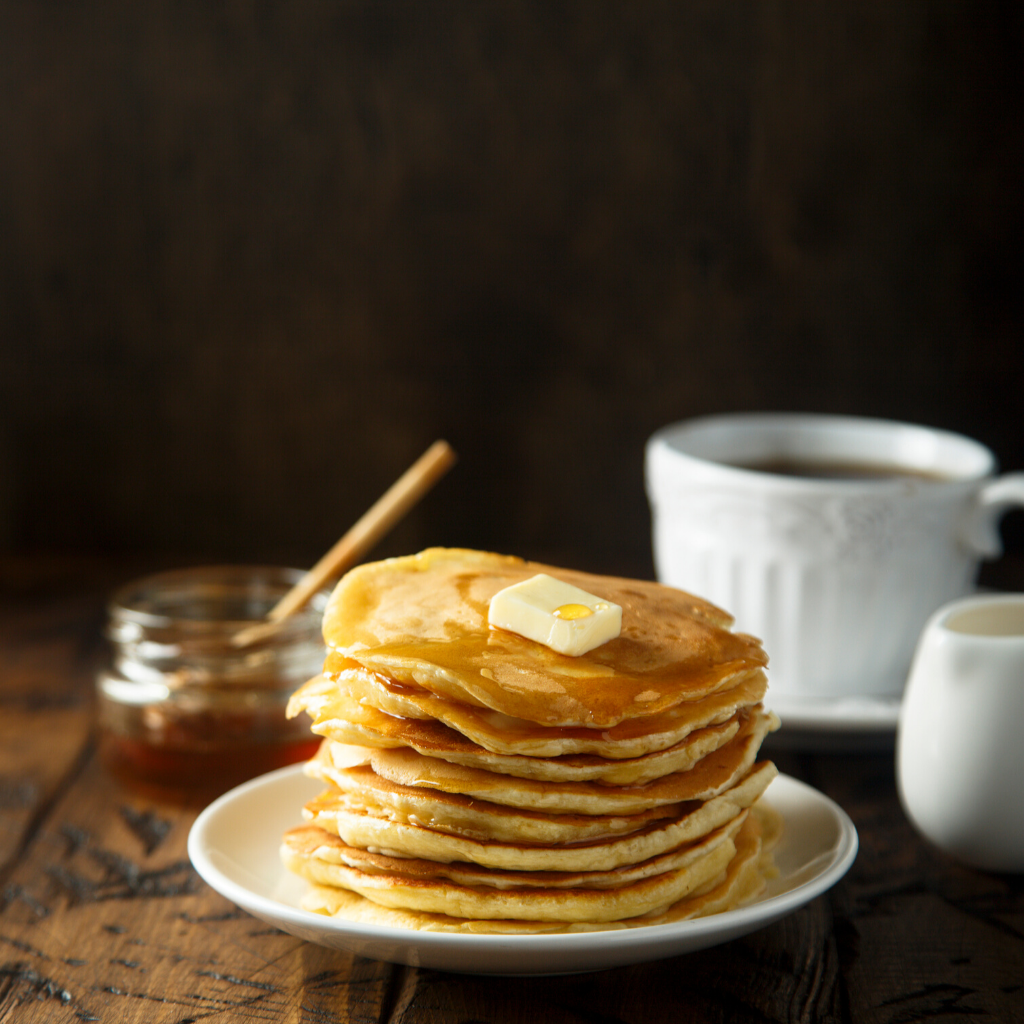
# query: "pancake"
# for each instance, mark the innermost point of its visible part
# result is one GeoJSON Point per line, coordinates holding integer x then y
{"type": "Point", "coordinates": [308, 842]}
{"type": "Point", "coordinates": [355, 724]}
{"type": "Point", "coordinates": [742, 880]}
{"type": "Point", "coordinates": [413, 772]}
{"type": "Point", "coordinates": [362, 791]}
{"type": "Point", "coordinates": [699, 864]}
{"type": "Point", "coordinates": [328, 700]}
{"type": "Point", "coordinates": [404, 839]}
{"type": "Point", "coordinates": [479, 781]}
{"type": "Point", "coordinates": [422, 620]}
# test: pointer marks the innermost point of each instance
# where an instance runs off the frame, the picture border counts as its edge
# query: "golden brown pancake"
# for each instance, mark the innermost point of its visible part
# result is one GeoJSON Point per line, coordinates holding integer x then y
{"type": "Point", "coordinates": [329, 700]}
{"type": "Point", "coordinates": [404, 839]}
{"type": "Point", "coordinates": [354, 724]}
{"type": "Point", "coordinates": [421, 620]}
{"type": "Point", "coordinates": [478, 781]}
{"type": "Point", "coordinates": [413, 772]}
{"type": "Point", "coordinates": [310, 842]}
{"type": "Point", "coordinates": [699, 864]}
{"type": "Point", "coordinates": [364, 792]}
{"type": "Point", "coordinates": [742, 880]}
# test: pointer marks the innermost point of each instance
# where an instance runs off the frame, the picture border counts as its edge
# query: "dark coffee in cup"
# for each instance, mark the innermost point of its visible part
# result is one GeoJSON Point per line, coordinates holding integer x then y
{"type": "Point", "coordinates": [835, 470]}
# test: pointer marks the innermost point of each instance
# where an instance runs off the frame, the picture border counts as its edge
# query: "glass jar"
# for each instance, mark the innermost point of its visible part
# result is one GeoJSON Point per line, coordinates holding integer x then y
{"type": "Point", "coordinates": [185, 714]}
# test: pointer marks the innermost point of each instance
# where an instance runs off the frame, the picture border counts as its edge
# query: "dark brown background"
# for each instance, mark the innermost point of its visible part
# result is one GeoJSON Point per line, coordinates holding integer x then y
{"type": "Point", "coordinates": [254, 257]}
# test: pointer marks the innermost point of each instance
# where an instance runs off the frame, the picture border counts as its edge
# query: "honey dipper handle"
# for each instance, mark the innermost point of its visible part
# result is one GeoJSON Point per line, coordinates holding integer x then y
{"type": "Point", "coordinates": [389, 508]}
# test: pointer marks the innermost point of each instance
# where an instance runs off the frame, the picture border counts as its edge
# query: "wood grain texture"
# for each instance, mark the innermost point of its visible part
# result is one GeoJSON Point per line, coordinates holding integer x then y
{"type": "Point", "coordinates": [102, 917]}
{"type": "Point", "coordinates": [105, 919]}
{"type": "Point", "coordinates": [788, 973]}
{"type": "Point", "coordinates": [921, 936]}
{"type": "Point", "coordinates": [48, 652]}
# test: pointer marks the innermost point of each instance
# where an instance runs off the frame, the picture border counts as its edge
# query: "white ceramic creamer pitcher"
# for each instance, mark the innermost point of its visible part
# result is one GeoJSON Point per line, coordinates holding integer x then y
{"type": "Point", "coordinates": [960, 744]}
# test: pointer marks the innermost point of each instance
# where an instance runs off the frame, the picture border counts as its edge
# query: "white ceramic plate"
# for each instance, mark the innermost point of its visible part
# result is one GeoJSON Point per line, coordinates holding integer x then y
{"type": "Point", "coordinates": [234, 846]}
{"type": "Point", "coordinates": [841, 714]}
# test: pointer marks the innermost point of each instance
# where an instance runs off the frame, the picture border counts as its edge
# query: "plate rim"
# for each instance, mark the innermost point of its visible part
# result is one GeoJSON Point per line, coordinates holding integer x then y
{"type": "Point", "coordinates": [868, 714]}
{"type": "Point", "coordinates": [657, 938]}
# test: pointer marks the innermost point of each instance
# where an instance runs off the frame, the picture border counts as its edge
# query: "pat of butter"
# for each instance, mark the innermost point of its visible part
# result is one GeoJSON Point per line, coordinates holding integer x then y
{"type": "Point", "coordinates": [556, 614]}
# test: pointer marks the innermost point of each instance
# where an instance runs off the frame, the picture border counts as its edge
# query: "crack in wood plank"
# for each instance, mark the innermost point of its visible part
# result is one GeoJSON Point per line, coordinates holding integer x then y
{"type": "Point", "coordinates": [399, 993]}
{"type": "Point", "coordinates": [18, 980]}
{"type": "Point", "coordinates": [150, 829]}
{"type": "Point", "coordinates": [18, 893]}
{"type": "Point", "coordinates": [45, 805]}
{"type": "Point", "coordinates": [937, 1000]}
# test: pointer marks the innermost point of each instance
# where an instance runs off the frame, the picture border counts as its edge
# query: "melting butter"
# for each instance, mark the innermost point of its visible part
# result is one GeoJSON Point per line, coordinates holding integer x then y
{"type": "Point", "coordinates": [556, 614]}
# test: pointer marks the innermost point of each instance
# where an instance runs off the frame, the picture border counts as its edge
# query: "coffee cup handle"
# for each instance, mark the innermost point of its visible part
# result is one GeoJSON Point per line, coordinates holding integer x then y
{"type": "Point", "coordinates": [982, 533]}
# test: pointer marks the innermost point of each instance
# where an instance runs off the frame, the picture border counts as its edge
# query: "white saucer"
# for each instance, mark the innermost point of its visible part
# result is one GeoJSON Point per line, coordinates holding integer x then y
{"type": "Point", "coordinates": [836, 714]}
{"type": "Point", "coordinates": [234, 846]}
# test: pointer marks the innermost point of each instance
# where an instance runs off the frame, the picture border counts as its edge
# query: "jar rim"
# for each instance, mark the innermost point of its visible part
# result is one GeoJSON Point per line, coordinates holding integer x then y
{"type": "Point", "coordinates": [160, 600]}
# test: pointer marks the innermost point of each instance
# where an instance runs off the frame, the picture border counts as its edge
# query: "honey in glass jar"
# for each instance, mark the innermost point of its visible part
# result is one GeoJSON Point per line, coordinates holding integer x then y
{"type": "Point", "coordinates": [185, 713]}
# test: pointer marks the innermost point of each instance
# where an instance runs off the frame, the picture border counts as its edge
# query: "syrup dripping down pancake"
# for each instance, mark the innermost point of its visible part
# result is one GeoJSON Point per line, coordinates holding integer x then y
{"type": "Point", "coordinates": [343, 767]}
{"type": "Point", "coordinates": [336, 703]}
{"type": "Point", "coordinates": [479, 781]}
{"type": "Point", "coordinates": [405, 839]}
{"type": "Point", "coordinates": [422, 620]}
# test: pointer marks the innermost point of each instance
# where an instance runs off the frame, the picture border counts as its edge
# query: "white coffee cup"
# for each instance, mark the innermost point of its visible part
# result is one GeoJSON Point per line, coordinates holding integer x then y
{"type": "Point", "coordinates": [960, 741]}
{"type": "Point", "coordinates": [836, 576]}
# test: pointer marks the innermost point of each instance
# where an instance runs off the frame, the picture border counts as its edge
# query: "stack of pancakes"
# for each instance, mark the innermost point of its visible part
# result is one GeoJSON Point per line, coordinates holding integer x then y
{"type": "Point", "coordinates": [478, 781]}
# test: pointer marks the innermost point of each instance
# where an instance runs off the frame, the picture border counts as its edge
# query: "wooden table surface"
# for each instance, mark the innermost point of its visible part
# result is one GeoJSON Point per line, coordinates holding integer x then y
{"type": "Point", "coordinates": [102, 918]}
